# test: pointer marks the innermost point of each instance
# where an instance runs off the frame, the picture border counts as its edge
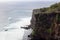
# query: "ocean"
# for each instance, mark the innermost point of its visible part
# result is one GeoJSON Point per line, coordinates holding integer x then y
{"type": "Point", "coordinates": [14, 15]}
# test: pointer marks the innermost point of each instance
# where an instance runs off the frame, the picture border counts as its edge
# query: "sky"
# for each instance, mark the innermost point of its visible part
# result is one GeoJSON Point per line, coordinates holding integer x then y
{"type": "Point", "coordinates": [26, 0]}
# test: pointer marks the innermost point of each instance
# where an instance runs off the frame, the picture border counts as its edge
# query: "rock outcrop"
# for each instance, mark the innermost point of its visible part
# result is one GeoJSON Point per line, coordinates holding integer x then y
{"type": "Point", "coordinates": [45, 23]}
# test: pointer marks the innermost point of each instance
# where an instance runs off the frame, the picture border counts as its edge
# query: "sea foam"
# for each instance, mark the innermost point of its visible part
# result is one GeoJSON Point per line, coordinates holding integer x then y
{"type": "Point", "coordinates": [13, 31]}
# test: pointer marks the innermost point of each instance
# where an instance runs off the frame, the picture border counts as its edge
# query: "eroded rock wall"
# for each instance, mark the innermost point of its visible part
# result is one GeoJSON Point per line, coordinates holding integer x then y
{"type": "Point", "coordinates": [43, 25]}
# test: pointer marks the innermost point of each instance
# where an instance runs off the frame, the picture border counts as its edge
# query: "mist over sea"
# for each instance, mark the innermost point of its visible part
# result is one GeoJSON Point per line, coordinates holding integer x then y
{"type": "Point", "coordinates": [14, 15]}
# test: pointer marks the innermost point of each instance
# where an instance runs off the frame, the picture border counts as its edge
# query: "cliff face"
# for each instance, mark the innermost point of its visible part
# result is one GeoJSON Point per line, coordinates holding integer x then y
{"type": "Point", "coordinates": [45, 25]}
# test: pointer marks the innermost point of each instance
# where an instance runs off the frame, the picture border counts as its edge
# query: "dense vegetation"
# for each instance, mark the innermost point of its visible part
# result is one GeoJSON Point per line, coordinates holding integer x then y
{"type": "Point", "coordinates": [52, 8]}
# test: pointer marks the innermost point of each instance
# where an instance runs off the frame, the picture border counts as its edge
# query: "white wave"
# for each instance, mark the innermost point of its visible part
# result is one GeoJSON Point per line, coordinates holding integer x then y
{"type": "Point", "coordinates": [13, 31]}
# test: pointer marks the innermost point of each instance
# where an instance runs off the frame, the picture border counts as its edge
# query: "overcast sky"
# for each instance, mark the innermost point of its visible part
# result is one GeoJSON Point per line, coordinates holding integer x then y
{"type": "Point", "coordinates": [27, 0]}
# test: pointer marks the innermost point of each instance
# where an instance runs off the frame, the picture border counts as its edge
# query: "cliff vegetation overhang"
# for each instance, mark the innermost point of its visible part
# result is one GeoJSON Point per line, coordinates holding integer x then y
{"type": "Point", "coordinates": [55, 8]}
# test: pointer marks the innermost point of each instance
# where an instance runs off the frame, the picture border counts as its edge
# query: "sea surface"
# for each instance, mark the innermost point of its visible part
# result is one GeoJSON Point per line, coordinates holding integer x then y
{"type": "Point", "coordinates": [13, 31]}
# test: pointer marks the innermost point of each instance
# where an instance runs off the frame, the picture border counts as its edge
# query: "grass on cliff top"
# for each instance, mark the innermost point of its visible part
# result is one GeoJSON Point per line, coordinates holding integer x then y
{"type": "Point", "coordinates": [52, 8]}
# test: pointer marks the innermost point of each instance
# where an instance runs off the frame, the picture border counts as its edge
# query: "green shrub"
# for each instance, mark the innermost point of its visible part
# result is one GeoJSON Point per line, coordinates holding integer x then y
{"type": "Point", "coordinates": [49, 30]}
{"type": "Point", "coordinates": [54, 7]}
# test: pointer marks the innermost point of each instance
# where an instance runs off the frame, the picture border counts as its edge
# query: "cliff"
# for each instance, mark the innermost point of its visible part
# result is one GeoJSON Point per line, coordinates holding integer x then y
{"type": "Point", "coordinates": [45, 23]}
